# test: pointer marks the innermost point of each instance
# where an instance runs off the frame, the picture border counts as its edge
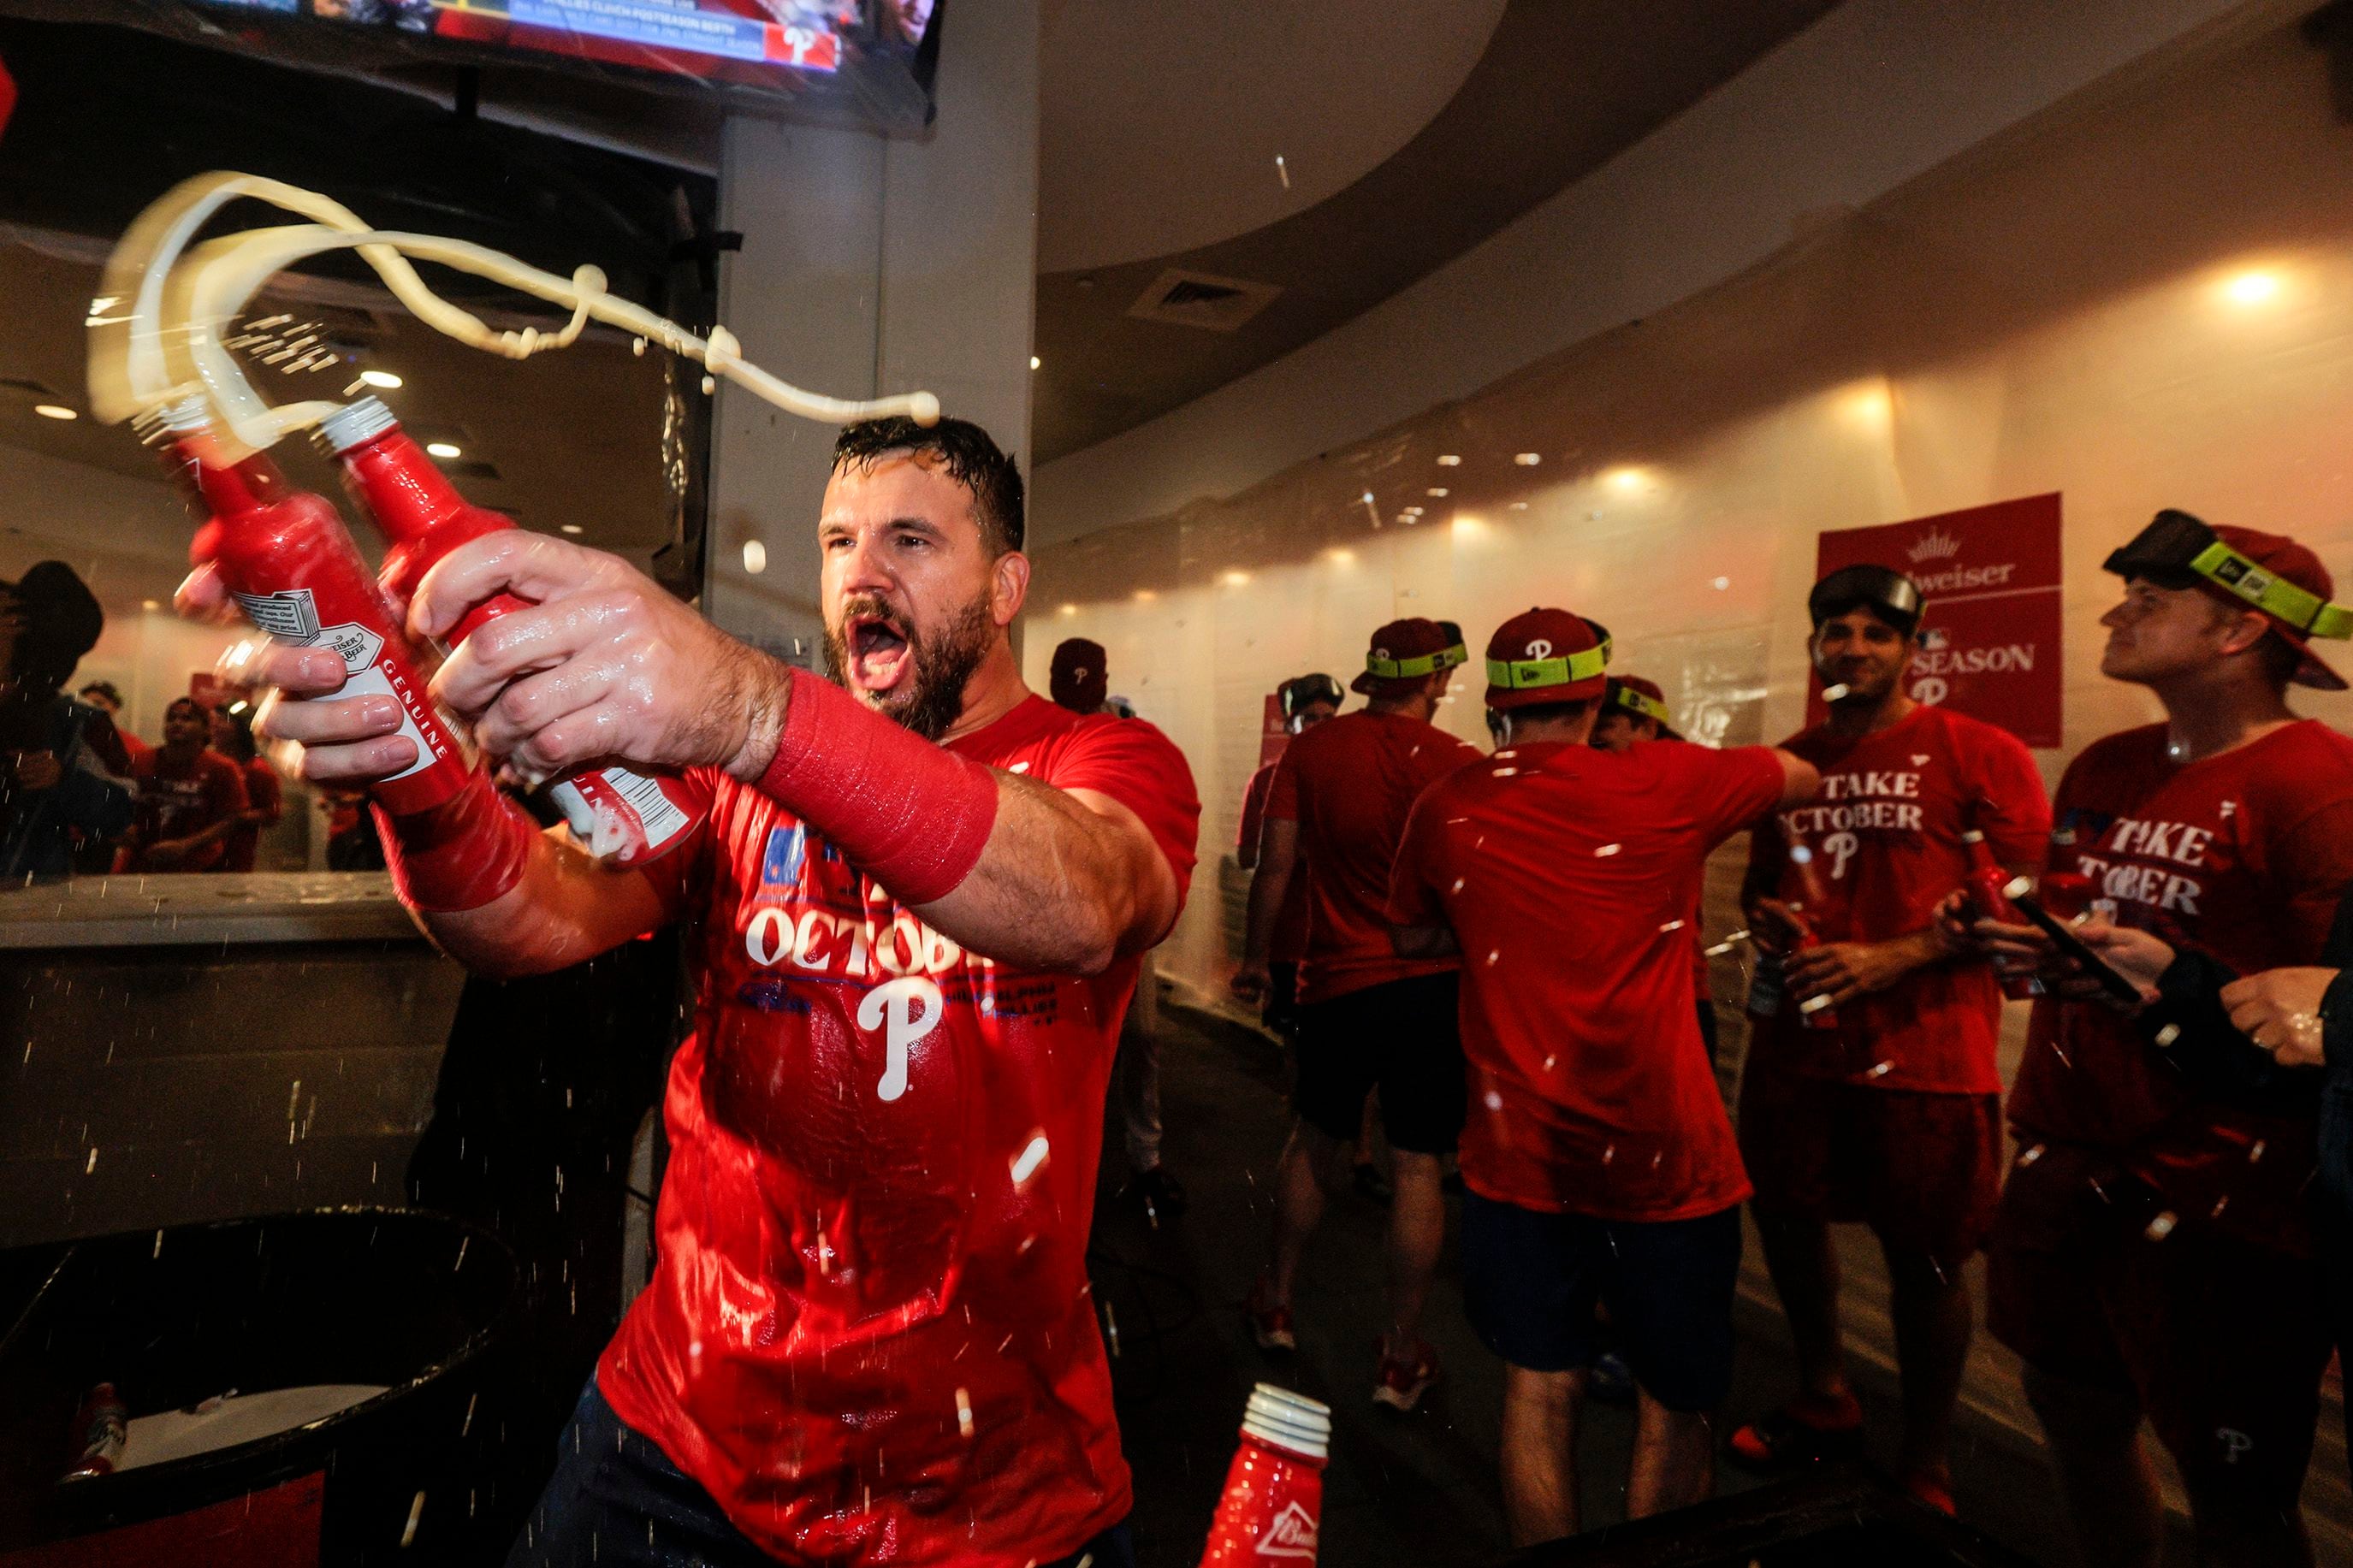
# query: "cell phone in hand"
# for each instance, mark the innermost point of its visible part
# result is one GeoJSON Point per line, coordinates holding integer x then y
{"type": "Point", "coordinates": [2063, 937]}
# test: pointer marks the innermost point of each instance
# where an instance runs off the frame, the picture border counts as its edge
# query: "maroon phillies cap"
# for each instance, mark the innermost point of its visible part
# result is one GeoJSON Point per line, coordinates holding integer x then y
{"type": "Point", "coordinates": [2290, 562]}
{"type": "Point", "coordinates": [1079, 678]}
{"type": "Point", "coordinates": [1403, 652]}
{"type": "Point", "coordinates": [1545, 656]}
{"type": "Point", "coordinates": [1642, 699]}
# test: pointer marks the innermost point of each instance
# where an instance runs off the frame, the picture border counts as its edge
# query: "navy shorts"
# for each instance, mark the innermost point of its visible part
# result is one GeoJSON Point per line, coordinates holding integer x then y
{"type": "Point", "coordinates": [1530, 1282]}
{"type": "Point", "coordinates": [1403, 1036]}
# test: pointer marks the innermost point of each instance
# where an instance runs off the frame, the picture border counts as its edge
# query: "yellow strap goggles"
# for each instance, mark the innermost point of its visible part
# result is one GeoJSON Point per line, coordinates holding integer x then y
{"type": "Point", "coordinates": [2308, 613]}
{"type": "Point", "coordinates": [1532, 674]}
{"type": "Point", "coordinates": [1421, 665]}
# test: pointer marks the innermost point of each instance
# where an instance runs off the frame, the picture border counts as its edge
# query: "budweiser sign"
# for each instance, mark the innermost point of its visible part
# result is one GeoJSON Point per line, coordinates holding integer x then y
{"type": "Point", "coordinates": [1990, 639]}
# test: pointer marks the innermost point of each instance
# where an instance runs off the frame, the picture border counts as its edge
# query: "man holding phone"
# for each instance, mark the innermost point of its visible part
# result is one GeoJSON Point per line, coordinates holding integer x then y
{"type": "Point", "coordinates": [2152, 1257]}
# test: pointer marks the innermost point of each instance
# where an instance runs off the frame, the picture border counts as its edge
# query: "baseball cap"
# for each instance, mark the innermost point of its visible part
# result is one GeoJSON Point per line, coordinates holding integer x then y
{"type": "Point", "coordinates": [1644, 699]}
{"type": "Point", "coordinates": [1079, 680]}
{"type": "Point", "coordinates": [1885, 592]}
{"type": "Point", "coordinates": [1544, 656]}
{"type": "Point", "coordinates": [2266, 572]}
{"type": "Point", "coordinates": [1409, 651]}
{"type": "Point", "coordinates": [1302, 689]}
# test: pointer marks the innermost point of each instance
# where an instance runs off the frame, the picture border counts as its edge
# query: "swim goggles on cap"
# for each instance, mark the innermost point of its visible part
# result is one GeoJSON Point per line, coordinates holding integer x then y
{"type": "Point", "coordinates": [1300, 691]}
{"type": "Point", "coordinates": [1650, 707]}
{"type": "Point", "coordinates": [1890, 593]}
{"type": "Point", "coordinates": [2177, 551]}
{"type": "Point", "coordinates": [1421, 664]}
{"type": "Point", "coordinates": [1531, 674]}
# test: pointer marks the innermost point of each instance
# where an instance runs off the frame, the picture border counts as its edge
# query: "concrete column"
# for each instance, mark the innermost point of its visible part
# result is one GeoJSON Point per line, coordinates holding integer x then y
{"type": "Point", "coordinates": [871, 266]}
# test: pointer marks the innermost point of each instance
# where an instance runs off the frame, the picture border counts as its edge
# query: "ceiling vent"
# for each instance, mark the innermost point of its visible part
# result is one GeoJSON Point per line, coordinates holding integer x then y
{"type": "Point", "coordinates": [1202, 299]}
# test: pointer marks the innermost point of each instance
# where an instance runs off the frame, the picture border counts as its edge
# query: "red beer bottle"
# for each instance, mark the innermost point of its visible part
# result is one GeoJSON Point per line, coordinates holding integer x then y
{"type": "Point", "coordinates": [1987, 902]}
{"type": "Point", "coordinates": [1273, 1502]}
{"type": "Point", "coordinates": [1815, 1011]}
{"type": "Point", "coordinates": [286, 558]}
{"type": "Point", "coordinates": [618, 814]}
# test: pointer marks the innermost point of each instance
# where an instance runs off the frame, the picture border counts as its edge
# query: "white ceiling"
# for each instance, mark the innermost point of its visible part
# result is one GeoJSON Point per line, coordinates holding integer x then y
{"type": "Point", "coordinates": [1161, 119]}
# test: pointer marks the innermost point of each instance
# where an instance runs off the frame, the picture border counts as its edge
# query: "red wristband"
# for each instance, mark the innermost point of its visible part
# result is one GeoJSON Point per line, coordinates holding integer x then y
{"type": "Point", "coordinates": [461, 855]}
{"type": "Point", "coordinates": [912, 814]}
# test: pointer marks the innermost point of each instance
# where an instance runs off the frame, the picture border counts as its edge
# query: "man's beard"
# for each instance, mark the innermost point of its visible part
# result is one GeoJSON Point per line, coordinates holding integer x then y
{"type": "Point", "coordinates": [931, 699]}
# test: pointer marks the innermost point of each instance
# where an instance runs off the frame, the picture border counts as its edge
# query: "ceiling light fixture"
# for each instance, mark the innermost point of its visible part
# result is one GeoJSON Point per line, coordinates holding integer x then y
{"type": "Point", "coordinates": [445, 448]}
{"type": "Point", "coordinates": [2256, 285]}
{"type": "Point", "coordinates": [150, 604]}
{"type": "Point", "coordinates": [1449, 460]}
{"type": "Point", "coordinates": [756, 557]}
{"type": "Point", "coordinates": [1035, 361]}
{"type": "Point", "coordinates": [1627, 478]}
{"type": "Point", "coordinates": [1070, 609]}
{"type": "Point", "coordinates": [1439, 490]}
{"type": "Point", "coordinates": [1528, 460]}
{"type": "Point", "coordinates": [574, 528]}
{"type": "Point", "coordinates": [1235, 579]}
{"type": "Point", "coordinates": [55, 411]}
{"type": "Point", "coordinates": [382, 379]}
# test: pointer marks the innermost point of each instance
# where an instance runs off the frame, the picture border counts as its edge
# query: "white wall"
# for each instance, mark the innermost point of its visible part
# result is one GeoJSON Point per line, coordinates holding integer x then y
{"type": "Point", "coordinates": [1875, 93]}
{"type": "Point", "coordinates": [871, 267]}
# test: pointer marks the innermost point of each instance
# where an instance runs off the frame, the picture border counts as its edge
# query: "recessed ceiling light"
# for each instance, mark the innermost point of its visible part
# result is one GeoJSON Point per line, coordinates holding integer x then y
{"type": "Point", "coordinates": [1449, 460]}
{"type": "Point", "coordinates": [1146, 596]}
{"type": "Point", "coordinates": [381, 378]}
{"type": "Point", "coordinates": [1341, 556]}
{"type": "Point", "coordinates": [1519, 506]}
{"type": "Point", "coordinates": [2253, 287]}
{"type": "Point", "coordinates": [574, 528]}
{"type": "Point", "coordinates": [1528, 460]}
{"type": "Point", "coordinates": [1235, 579]}
{"type": "Point", "coordinates": [1070, 609]}
{"type": "Point", "coordinates": [445, 448]}
{"type": "Point", "coordinates": [151, 604]}
{"type": "Point", "coordinates": [756, 557]}
{"type": "Point", "coordinates": [1034, 361]}
{"type": "Point", "coordinates": [1437, 490]}
{"type": "Point", "coordinates": [55, 411]}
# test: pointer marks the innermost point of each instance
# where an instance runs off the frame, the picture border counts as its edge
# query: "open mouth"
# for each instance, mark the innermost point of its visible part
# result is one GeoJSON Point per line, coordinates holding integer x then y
{"type": "Point", "coordinates": [880, 653]}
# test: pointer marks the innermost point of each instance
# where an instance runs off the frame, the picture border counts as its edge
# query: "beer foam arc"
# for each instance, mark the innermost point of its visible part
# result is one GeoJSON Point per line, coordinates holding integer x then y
{"type": "Point", "coordinates": [155, 325]}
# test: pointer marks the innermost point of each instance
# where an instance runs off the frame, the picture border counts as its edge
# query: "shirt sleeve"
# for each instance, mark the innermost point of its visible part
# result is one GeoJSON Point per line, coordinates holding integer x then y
{"type": "Point", "coordinates": [1282, 790]}
{"type": "Point", "coordinates": [1134, 763]}
{"type": "Point", "coordinates": [1411, 900]}
{"type": "Point", "coordinates": [1254, 808]}
{"type": "Point", "coordinates": [1724, 792]}
{"type": "Point", "coordinates": [2313, 863]}
{"type": "Point", "coordinates": [2011, 808]}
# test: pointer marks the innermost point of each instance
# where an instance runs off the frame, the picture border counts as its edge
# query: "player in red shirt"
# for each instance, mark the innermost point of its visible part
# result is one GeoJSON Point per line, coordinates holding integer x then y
{"type": "Point", "coordinates": [1887, 1107]}
{"type": "Point", "coordinates": [1596, 1159]}
{"type": "Point", "coordinates": [2153, 1258]}
{"type": "Point", "coordinates": [917, 907]}
{"type": "Point", "coordinates": [1307, 701]}
{"type": "Point", "coordinates": [265, 802]}
{"type": "Point", "coordinates": [186, 799]}
{"type": "Point", "coordinates": [1369, 1018]}
{"type": "Point", "coordinates": [1634, 710]}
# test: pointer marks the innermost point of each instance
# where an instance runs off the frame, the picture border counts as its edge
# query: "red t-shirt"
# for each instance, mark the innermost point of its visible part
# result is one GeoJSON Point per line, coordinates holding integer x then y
{"type": "Point", "coordinates": [1569, 877]}
{"type": "Point", "coordinates": [868, 1334]}
{"type": "Point", "coordinates": [173, 800]}
{"type": "Point", "coordinates": [1290, 943]}
{"type": "Point", "coordinates": [2244, 855]}
{"type": "Point", "coordinates": [1349, 783]}
{"type": "Point", "coordinates": [262, 795]}
{"type": "Point", "coordinates": [1885, 833]}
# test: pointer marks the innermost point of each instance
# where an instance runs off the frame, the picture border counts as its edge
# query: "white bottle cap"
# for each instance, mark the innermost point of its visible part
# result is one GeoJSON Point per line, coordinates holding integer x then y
{"type": "Point", "coordinates": [354, 424]}
{"type": "Point", "coordinates": [1289, 1421]}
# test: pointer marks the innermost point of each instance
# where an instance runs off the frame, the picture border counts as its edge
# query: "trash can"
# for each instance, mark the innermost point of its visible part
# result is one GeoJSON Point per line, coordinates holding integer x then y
{"type": "Point", "coordinates": [323, 1388]}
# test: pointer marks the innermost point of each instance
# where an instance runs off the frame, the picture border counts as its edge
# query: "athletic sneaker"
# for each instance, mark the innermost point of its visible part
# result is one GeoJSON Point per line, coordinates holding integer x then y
{"type": "Point", "coordinates": [1401, 1382]}
{"type": "Point", "coordinates": [1270, 1325]}
{"type": "Point", "coordinates": [1934, 1487]}
{"type": "Point", "coordinates": [1790, 1436]}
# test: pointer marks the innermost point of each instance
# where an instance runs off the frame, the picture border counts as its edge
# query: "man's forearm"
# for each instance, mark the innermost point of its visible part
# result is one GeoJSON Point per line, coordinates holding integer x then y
{"type": "Point", "coordinates": [1268, 887]}
{"type": "Point", "coordinates": [565, 910]}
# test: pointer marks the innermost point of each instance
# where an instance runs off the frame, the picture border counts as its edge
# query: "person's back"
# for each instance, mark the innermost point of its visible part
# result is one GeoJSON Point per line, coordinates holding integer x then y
{"type": "Point", "coordinates": [1568, 875]}
{"type": "Point", "coordinates": [1350, 785]}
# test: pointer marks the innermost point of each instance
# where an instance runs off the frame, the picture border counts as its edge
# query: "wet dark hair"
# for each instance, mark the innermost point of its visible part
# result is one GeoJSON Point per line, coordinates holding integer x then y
{"type": "Point", "coordinates": [1551, 712]}
{"type": "Point", "coordinates": [105, 689]}
{"type": "Point", "coordinates": [965, 451]}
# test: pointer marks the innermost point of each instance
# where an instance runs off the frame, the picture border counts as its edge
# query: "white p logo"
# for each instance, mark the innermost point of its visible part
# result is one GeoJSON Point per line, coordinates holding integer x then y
{"type": "Point", "coordinates": [2234, 1443]}
{"type": "Point", "coordinates": [1842, 847]}
{"type": "Point", "coordinates": [1540, 648]}
{"type": "Point", "coordinates": [899, 1000]}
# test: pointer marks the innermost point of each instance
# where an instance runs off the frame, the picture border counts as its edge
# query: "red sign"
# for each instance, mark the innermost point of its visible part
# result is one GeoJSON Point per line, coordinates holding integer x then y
{"type": "Point", "coordinates": [1990, 640]}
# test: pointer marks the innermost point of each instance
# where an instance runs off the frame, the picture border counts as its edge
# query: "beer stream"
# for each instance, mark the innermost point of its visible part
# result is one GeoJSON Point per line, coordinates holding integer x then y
{"type": "Point", "coordinates": [156, 324]}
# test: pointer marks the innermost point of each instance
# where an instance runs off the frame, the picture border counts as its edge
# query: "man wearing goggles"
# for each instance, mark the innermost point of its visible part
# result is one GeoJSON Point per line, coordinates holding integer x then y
{"type": "Point", "coordinates": [1369, 1018]}
{"type": "Point", "coordinates": [2152, 1257]}
{"type": "Point", "coordinates": [1306, 701]}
